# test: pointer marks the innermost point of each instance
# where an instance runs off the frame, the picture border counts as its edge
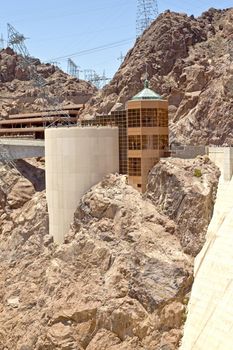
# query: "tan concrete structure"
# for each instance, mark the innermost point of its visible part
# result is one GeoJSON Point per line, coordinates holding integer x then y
{"type": "Point", "coordinates": [209, 324]}
{"type": "Point", "coordinates": [147, 133]}
{"type": "Point", "coordinates": [143, 134]}
{"type": "Point", "coordinates": [76, 159]}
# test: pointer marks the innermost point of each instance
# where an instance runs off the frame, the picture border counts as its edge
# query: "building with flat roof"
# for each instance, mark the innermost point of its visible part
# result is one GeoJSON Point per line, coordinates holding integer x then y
{"type": "Point", "coordinates": [33, 125]}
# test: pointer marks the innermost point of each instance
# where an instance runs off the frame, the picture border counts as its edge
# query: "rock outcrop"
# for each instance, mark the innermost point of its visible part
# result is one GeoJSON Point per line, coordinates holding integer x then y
{"type": "Point", "coordinates": [120, 281]}
{"type": "Point", "coordinates": [19, 91]}
{"type": "Point", "coordinates": [189, 61]}
{"type": "Point", "coordinates": [186, 196]}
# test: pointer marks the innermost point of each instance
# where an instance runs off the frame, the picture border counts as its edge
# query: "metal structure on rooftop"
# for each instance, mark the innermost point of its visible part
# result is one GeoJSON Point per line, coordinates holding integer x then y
{"type": "Point", "coordinates": [147, 11]}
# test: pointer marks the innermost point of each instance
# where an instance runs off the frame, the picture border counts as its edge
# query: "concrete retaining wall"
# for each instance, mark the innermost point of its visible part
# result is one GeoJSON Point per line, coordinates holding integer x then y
{"type": "Point", "coordinates": [76, 159]}
{"type": "Point", "coordinates": [188, 152]}
{"type": "Point", "coordinates": [209, 322]}
{"type": "Point", "coordinates": [223, 158]}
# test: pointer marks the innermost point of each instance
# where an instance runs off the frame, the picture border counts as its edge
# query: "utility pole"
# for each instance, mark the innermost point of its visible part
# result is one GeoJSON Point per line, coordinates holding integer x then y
{"type": "Point", "coordinates": [147, 11]}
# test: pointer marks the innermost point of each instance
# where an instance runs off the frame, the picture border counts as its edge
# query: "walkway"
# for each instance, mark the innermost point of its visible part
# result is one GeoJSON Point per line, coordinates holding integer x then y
{"type": "Point", "coordinates": [17, 148]}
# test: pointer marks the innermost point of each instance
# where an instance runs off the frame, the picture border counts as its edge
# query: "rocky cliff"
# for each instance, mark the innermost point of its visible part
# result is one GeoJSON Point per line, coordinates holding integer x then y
{"type": "Point", "coordinates": [189, 61]}
{"type": "Point", "coordinates": [20, 93]}
{"type": "Point", "coordinates": [172, 191]}
{"type": "Point", "coordinates": [120, 280]}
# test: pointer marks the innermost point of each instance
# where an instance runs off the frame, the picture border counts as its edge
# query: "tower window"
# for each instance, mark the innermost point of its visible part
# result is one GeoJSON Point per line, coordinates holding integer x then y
{"type": "Point", "coordinates": [134, 118]}
{"type": "Point", "coordinates": [150, 142]}
{"type": "Point", "coordinates": [163, 141]}
{"type": "Point", "coordinates": [134, 166]}
{"type": "Point", "coordinates": [163, 117]}
{"type": "Point", "coordinates": [149, 117]}
{"type": "Point", "coordinates": [134, 142]}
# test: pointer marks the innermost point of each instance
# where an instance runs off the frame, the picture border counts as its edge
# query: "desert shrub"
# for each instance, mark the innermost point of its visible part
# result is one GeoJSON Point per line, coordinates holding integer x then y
{"type": "Point", "coordinates": [197, 172]}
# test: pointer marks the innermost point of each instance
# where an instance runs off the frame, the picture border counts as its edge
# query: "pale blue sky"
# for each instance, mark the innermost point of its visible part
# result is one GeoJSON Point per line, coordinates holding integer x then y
{"type": "Point", "coordinates": [58, 28]}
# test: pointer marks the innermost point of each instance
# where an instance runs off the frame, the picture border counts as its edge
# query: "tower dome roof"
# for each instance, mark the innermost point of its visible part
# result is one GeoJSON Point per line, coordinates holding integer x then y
{"type": "Point", "coordinates": [147, 94]}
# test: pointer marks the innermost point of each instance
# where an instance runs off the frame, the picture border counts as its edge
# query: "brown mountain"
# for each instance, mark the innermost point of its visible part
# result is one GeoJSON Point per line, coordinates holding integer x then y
{"type": "Point", "coordinates": [189, 62]}
{"type": "Point", "coordinates": [20, 93]}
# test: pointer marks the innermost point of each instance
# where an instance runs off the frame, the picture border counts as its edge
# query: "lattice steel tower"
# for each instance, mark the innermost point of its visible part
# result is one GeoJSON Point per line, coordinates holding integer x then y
{"type": "Point", "coordinates": [16, 41]}
{"type": "Point", "coordinates": [147, 11]}
{"type": "Point", "coordinates": [72, 68]}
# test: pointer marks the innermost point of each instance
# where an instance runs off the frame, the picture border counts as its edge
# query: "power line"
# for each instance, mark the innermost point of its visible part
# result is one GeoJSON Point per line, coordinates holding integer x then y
{"type": "Point", "coordinates": [95, 49]}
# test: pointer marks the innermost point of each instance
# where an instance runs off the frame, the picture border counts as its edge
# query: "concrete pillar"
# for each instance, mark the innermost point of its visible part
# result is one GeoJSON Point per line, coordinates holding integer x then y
{"type": "Point", "coordinates": [76, 159]}
{"type": "Point", "coordinates": [228, 163]}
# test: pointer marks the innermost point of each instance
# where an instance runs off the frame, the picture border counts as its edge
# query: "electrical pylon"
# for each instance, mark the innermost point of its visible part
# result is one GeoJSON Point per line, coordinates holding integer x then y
{"type": "Point", "coordinates": [99, 81]}
{"type": "Point", "coordinates": [17, 42]}
{"type": "Point", "coordinates": [72, 68]}
{"type": "Point", "coordinates": [147, 11]}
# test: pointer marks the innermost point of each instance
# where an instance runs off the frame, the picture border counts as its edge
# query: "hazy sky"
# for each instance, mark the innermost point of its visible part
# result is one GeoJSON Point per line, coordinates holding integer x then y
{"type": "Point", "coordinates": [57, 28]}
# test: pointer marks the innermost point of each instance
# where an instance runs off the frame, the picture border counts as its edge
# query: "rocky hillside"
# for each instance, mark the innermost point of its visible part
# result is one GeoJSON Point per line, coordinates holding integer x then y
{"type": "Point", "coordinates": [189, 62]}
{"type": "Point", "coordinates": [172, 191]}
{"type": "Point", "coordinates": [121, 279]}
{"type": "Point", "coordinates": [19, 92]}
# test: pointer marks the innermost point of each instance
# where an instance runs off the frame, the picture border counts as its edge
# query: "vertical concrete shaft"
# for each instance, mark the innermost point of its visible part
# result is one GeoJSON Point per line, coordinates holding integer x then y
{"type": "Point", "coordinates": [228, 163]}
{"type": "Point", "coordinates": [76, 159]}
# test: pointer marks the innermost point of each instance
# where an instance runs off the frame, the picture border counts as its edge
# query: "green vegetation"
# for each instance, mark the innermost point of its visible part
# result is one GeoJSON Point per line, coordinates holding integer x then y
{"type": "Point", "coordinates": [197, 173]}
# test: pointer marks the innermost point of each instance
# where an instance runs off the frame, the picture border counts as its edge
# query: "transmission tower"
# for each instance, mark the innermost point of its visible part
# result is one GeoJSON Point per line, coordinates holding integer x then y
{"type": "Point", "coordinates": [1, 42]}
{"type": "Point", "coordinates": [72, 68]}
{"type": "Point", "coordinates": [147, 11]}
{"type": "Point", "coordinates": [121, 58]}
{"type": "Point", "coordinates": [54, 63]}
{"type": "Point", "coordinates": [16, 41]}
{"type": "Point", "coordinates": [98, 80]}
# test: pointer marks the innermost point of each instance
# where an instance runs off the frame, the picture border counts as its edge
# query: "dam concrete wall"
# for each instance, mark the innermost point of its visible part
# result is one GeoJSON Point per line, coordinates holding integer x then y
{"type": "Point", "coordinates": [76, 159]}
{"type": "Point", "coordinates": [209, 322]}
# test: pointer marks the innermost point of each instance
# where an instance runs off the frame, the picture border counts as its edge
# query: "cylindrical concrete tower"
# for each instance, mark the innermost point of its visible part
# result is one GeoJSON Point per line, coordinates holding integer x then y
{"type": "Point", "coordinates": [76, 159]}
